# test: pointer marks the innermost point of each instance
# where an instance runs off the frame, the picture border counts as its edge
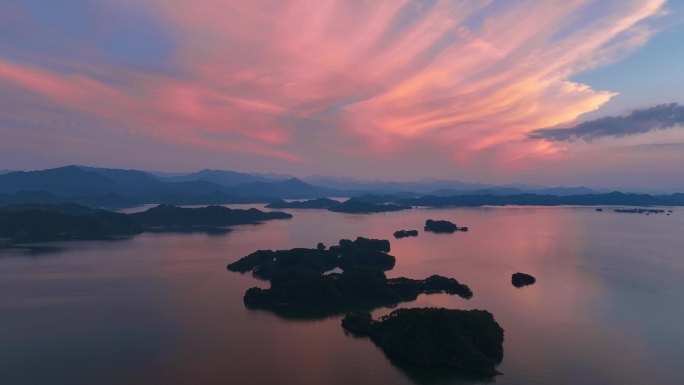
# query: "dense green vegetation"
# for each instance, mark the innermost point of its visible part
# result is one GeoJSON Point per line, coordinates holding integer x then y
{"type": "Point", "coordinates": [34, 223]}
{"type": "Point", "coordinates": [465, 340]}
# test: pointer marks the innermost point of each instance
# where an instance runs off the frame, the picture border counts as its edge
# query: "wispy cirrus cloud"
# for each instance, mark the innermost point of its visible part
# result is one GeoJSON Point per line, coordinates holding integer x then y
{"type": "Point", "coordinates": [320, 81]}
{"type": "Point", "coordinates": [640, 121]}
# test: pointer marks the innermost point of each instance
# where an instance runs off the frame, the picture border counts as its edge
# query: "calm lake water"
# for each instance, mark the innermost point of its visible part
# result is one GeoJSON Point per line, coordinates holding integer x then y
{"type": "Point", "coordinates": [607, 308]}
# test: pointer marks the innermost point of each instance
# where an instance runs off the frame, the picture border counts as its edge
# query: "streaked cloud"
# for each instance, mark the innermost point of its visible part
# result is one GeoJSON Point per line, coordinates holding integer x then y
{"type": "Point", "coordinates": [640, 121]}
{"type": "Point", "coordinates": [307, 81]}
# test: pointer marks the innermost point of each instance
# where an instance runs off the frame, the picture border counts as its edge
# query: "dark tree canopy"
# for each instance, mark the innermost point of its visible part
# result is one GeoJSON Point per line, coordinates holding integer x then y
{"type": "Point", "coordinates": [405, 233]}
{"type": "Point", "coordinates": [320, 203]}
{"type": "Point", "coordinates": [304, 284]}
{"type": "Point", "coordinates": [34, 223]}
{"type": "Point", "coordinates": [465, 340]}
{"type": "Point", "coordinates": [362, 207]}
{"type": "Point", "coordinates": [300, 290]}
{"type": "Point", "coordinates": [362, 252]}
{"type": "Point", "coordinates": [522, 279]}
{"type": "Point", "coordinates": [442, 226]}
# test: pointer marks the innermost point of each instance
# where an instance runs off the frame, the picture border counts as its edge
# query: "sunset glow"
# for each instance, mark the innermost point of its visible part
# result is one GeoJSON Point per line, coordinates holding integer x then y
{"type": "Point", "coordinates": [313, 86]}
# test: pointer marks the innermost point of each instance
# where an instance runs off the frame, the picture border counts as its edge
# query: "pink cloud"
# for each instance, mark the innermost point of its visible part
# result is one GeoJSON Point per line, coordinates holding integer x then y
{"type": "Point", "coordinates": [262, 76]}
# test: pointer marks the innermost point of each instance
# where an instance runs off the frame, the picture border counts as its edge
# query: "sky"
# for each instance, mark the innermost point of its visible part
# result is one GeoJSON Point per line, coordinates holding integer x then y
{"type": "Point", "coordinates": [546, 92]}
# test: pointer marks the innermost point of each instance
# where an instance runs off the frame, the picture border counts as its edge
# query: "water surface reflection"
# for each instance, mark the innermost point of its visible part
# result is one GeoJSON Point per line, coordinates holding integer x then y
{"type": "Point", "coordinates": [162, 309]}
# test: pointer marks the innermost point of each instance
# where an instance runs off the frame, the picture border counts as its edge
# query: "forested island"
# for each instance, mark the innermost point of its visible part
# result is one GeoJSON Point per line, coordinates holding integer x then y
{"type": "Point", "coordinates": [304, 282]}
{"type": "Point", "coordinates": [352, 205]}
{"type": "Point", "coordinates": [522, 279]}
{"type": "Point", "coordinates": [405, 233]}
{"type": "Point", "coordinates": [442, 226]}
{"type": "Point", "coordinates": [360, 253]}
{"type": "Point", "coordinates": [36, 223]}
{"type": "Point", "coordinates": [640, 211]}
{"type": "Point", "coordinates": [302, 293]}
{"type": "Point", "coordinates": [320, 203]}
{"type": "Point", "coordinates": [361, 207]}
{"type": "Point", "coordinates": [469, 341]}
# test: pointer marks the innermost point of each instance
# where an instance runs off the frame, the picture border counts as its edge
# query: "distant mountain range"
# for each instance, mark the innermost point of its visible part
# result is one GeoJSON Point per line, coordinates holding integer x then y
{"type": "Point", "coordinates": [102, 187]}
{"type": "Point", "coordinates": [439, 187]}
{"type": "Point", "coordinates": [112, 188]}
{"type": "Point", "coordinates": [613, 199]}
{"type": "Point", "coordinates": [223, 178]}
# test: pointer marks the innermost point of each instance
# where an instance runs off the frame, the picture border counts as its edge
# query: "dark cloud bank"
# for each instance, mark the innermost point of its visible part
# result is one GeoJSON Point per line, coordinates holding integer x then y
{"type": "Point", "coordinates": [641, 121]}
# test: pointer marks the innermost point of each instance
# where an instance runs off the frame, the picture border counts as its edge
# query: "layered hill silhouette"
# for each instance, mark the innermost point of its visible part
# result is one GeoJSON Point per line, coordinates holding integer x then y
{"type": "Point", "coordinates": [613, 198]}
{"type": "Point", "coordinates": [117, 188]}
{"type": "Point", "coordinates": [112, 188]}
